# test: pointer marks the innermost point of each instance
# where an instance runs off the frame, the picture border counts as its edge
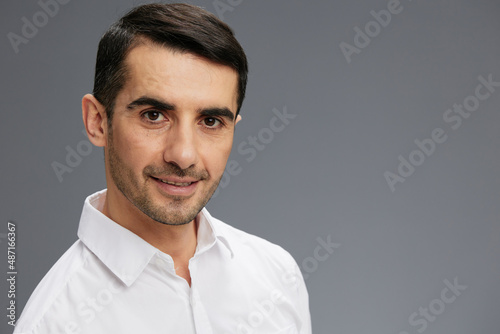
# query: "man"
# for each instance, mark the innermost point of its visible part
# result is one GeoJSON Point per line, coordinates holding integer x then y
{"type": "Point", "coordinates": [169, 84]}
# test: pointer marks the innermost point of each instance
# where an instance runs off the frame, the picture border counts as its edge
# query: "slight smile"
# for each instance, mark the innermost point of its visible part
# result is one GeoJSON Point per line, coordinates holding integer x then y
{"type": "Point", "coordinates": [176, 186]}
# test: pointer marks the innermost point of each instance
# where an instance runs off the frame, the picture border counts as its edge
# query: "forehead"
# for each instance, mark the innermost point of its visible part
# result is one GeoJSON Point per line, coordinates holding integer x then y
{"type": "Point", "coordinates": [161, 72]}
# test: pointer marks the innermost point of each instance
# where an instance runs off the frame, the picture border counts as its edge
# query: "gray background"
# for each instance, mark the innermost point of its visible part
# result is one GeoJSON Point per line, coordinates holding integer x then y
{"type": "Point", "coordinates": [323, 175]}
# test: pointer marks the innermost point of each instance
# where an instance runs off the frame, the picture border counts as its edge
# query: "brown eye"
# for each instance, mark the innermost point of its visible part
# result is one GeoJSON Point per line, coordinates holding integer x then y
{"type": "Point", "coordinates": [153, 115]}
{"type": "Point", "coordinates": [211, 122]}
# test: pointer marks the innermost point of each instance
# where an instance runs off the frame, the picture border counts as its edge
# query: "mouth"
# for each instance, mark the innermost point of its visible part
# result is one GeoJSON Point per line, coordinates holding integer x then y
{"type": "Point", "coordinates": [177, 184]}
{"type": "Point", "coordinates": [174, 186]}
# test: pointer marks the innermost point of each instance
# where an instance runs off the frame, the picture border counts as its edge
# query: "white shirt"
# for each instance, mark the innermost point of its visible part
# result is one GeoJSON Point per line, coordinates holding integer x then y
{"type": "Point", "coordinates": [112, 281]}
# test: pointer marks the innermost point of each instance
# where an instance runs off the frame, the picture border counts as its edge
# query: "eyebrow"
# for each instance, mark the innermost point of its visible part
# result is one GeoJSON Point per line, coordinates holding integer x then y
{"type": "Point", "coordinates": [162, 105]}
{"type": "Point", "coordinates": [221, 112]}
{"type": "Point", "coordinates": [149, 101]}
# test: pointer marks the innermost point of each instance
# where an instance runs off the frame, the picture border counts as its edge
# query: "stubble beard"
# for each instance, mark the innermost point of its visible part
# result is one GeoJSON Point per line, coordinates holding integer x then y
{"type": "Point", "coordinates": [175, 210]}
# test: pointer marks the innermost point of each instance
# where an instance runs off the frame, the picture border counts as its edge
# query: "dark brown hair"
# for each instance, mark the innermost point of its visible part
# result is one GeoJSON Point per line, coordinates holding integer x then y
{"type": "Point", "coordinates": [181, 27]}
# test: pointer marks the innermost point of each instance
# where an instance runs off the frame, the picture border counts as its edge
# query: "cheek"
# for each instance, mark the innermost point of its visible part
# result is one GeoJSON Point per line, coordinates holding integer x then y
{"type": "Point", "coordinates": [135, 149]}
{"type": "Point", "coordinates": [215, 155]}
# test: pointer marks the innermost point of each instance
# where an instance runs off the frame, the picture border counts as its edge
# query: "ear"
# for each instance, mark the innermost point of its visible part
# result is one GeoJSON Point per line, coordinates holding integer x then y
{"type": "Point", "coordinates": [238, 118]}
{"type": "Point", "coordinates": [95, 120]}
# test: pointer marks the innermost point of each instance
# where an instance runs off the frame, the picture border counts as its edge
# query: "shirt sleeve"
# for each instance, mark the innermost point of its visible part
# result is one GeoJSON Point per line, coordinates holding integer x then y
{"type": "Point", "coordinates": [303, 303]}
{"type": "Point", "coordinates": [300, 298]}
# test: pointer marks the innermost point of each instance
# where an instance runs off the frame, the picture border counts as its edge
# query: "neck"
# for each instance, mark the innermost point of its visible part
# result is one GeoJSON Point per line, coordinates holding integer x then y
{"type": "Point", "coordinates": [179, 241]}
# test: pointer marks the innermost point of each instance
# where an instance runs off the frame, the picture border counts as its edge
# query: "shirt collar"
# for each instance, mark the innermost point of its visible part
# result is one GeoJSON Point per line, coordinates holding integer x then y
{"type": "Point", "coordinates": [209, 232]}
{"type": "Point", "coordinates": [125, 253]}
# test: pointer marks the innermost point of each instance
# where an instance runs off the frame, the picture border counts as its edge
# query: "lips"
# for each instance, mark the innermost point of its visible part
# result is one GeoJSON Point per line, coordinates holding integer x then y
{"type": "Point", "coordinates": [175, 186]}
{"type": "Point", "coordinates": [176, 181]}
{"type": "Point", "coordinates": [178, 184]}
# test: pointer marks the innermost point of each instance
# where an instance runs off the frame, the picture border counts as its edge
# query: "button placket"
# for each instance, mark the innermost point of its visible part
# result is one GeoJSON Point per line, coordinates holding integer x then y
{"type": "Point", "coordinates": [192, 297]}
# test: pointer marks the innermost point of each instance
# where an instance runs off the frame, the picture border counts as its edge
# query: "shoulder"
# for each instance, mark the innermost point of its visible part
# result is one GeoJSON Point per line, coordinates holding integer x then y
{"type": "Point", "coordinates": [257, 250]}
{"type": "Point", "coordinates": [51, 287]}
{"type": "Point", "coordinates": [267, 272]}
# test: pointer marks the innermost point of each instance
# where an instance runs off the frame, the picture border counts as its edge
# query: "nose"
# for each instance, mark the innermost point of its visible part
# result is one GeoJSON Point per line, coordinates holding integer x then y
{"type": "Point", "coordinates": [181, 148]}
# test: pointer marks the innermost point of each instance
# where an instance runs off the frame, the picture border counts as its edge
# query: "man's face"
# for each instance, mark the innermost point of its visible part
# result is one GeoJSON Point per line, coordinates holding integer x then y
{"type": "Point", "coordinates": [171, 133]}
